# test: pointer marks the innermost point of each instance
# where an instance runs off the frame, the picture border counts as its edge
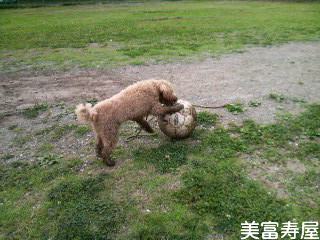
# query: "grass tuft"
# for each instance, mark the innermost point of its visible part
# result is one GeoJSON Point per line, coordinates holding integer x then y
{"type": "Point", "coordinates": [298, 100]}
{"type": "Point", "coordinates": [19, 141]}
{"type": "Point", "coordinates": [48, 160]}
{"type": "Point", "coordinates": [83, 130]}
{"type": "Point", "coordinates": [235, 108]}
{"type": "Point", "coordinates": [56, 132]}
{"type": "Point", "coordinates": [13, 127]}
{"type": "Point", "coordinates": [7, 157]}
{"type": "Point", "coordinates": [277, 97]}
{"type": "Point", "coordinates": [35, 111]}
{"type": "Point", "coordinates": [254, 104]}
{"type": "Point", "coordinates": [92, 101]}
{"type": "Point", "coordinates": [206, 118]}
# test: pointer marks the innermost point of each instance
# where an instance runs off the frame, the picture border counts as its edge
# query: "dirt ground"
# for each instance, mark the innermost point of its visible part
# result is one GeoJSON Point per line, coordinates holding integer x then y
{"type": "Point", "coordinates": [292, 70]}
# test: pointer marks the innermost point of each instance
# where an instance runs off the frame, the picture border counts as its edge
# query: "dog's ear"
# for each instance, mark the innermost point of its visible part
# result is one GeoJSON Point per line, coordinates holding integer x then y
{"type": "Point", "coordinates": [166, 94]}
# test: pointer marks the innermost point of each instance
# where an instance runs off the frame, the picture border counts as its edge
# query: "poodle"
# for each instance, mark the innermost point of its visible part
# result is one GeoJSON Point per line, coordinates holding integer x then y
{"type": "Point", "coordinates": [155, 97]}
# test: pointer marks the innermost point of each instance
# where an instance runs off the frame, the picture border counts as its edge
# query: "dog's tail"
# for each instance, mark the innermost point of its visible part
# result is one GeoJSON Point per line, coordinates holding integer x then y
{"type": "Point", "coordinates": [85, 113]}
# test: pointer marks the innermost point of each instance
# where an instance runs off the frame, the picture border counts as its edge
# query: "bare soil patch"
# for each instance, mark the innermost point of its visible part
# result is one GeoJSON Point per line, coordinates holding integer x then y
{"type": "Point", "coordinates": [292, 70]}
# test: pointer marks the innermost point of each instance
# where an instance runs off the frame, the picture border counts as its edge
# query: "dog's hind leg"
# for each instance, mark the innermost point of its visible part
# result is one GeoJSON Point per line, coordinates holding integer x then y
{"type": "Point", "coordinates": [107, 158]}
{"type": "Point", "coordinates": [109, 138]}
{"type": "Point", "coordinates": [144, 125]}
{"type": "Point", "coordinates": [99, 147]}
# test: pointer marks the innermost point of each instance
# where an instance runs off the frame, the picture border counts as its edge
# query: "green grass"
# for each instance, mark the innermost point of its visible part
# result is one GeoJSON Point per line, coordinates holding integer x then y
{"type": "Point", "coordinates": [206, 118]}
{"type": "Point", "coordinates": [298, 100]}
{"type": "Point", "coordinates": [20, 141]}
{"type": "Point", "coordinates": [219, 189]}
{"type": "Point", "coordinates": [167, 158]}
{"type": "Point", "coordinates": [235, 108]}
{"type": "Point", "coordinates": [189, 189]}
{"type": "Point", "coordinates": [35, 111]}
{"type": "Point", "coordinates": [277, 97]}
{"type": "Point", "coordinates": [178, 224]}
{"type": "Point", "coordinates": [305, 193]}
{"type": "Point", "coordinates": [308, 152]}
{"type": "Point", "coordinates": [202, 187]}
{"type": "Point", "coordinates": [48, 160]}
{"type": "Point", "coordinates": [119, 34]}
{"type": "Point", "coordinates": [45, 147]}
{"type": "Point", "coordinates": [13, 127]}
{"type": "Point", "coordinates": [83, 130]}
{"type": "Point", "coordinates": [56, 132]}
{"type": "Point", "coordinates": [7, 157]}
{"type": "Point", "coordinates": [92, 101]}
{"type": "Point", "coordinates": [86, 215]}
{"type": "Point", "coordinates": [254, 104]}
{"type": "Point", "coordinates": [72, 207]}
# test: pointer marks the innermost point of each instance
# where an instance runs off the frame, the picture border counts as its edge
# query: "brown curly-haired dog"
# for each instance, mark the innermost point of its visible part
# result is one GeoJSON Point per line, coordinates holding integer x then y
{"type": "Point", "coordinates": [137, 101]}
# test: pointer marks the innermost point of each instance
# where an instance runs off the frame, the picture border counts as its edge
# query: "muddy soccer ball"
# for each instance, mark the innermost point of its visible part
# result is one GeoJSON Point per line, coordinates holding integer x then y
{"type": "Point", "coordinates": [179, 124]}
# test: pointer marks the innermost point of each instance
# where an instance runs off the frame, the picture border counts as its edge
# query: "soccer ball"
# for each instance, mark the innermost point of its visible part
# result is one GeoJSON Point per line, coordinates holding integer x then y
{"type": "Point", "coordinates": [179, 124]}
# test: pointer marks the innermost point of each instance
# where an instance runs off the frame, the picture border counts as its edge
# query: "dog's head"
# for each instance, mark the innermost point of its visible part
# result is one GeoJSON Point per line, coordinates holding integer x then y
{"type": "Point", "coordinates": [166, 93]}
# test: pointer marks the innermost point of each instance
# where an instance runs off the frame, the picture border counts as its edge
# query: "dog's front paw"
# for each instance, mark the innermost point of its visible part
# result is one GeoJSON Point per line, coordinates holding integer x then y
{"type": "Point", "coordinates": [178, 107]}
{"type": "Point", "coordinates": [175, 108]}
